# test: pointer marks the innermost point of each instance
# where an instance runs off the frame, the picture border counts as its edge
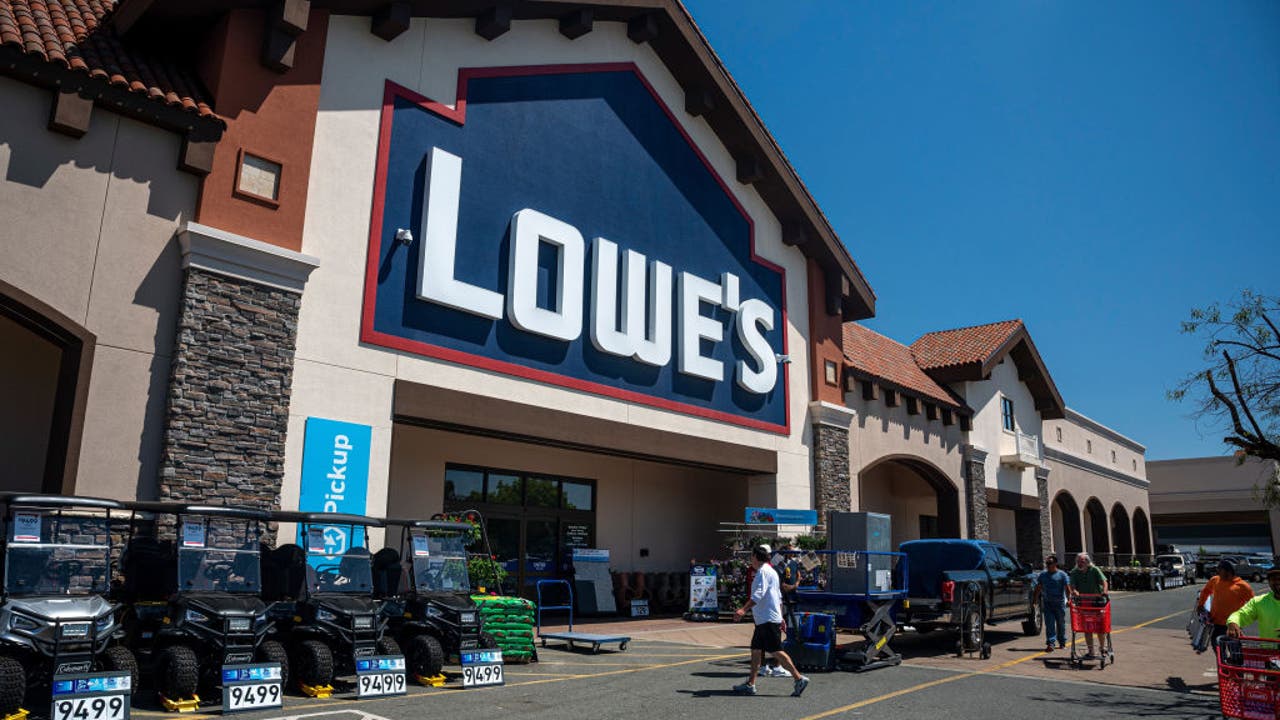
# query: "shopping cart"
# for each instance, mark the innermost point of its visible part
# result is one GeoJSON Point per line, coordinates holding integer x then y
{"type": "Point", "coordinates": [1249, 678]}
{"type": "Point", "coordinates": [1092, 614]}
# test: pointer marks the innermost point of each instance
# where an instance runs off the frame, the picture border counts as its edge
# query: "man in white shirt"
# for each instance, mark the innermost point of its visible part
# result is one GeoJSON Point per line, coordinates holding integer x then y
{"type": "Point", "coordinates": [765, 605]}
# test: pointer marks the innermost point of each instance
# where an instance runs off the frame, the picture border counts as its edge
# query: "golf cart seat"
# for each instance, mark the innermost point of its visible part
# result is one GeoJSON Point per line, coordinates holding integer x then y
{"type": "Point", "coordinates": [388, 573]}
{"type": "Point", "coordinates": [284, 573]}
{"type": "Point", "coordinates": [150, 571]}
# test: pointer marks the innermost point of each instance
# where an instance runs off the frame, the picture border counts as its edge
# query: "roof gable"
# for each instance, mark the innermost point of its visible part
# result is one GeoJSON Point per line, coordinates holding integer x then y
{"type": "Point", "coordinates": [871, 354]}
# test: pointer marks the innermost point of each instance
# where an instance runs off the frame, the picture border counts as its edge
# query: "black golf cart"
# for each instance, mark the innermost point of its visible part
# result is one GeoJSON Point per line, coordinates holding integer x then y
{"type": "Point", "coordinates": [321, 595]}
{"type": "Point", "coordinates": [432, 615]}
{"type": "Point", "coordinates": [55, 619]}
{"type": "Point", "coordinates": [192, 580]}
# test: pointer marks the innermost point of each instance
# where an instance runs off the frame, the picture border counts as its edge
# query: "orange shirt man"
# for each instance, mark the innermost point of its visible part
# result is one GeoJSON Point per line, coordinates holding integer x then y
{"type": "Point", "coordinates": [1229, 592]}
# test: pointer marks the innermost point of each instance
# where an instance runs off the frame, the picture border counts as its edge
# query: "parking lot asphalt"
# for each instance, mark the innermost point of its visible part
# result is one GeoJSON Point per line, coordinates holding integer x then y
{"type": "Point", "coordinates": [1156, 675]}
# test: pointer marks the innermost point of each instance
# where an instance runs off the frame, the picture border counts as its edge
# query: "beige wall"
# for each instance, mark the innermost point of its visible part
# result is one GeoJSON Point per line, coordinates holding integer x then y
{"type": "Point", "coordinates": [1212, 486]}
{"type": "Point", "coordinates": [1083, 437]}
{"type": "Point", "coordinates": [1083, 484]}
{"type": "Point", "coordinates": [28, 384]}
{"type": "Point", "coordinates": [87, 226]}
{"type": "Point", "coordinates": [898, 491]}
{"type": "Point", "coordinates": [988, 429]}
{"type": "Point", "coordinates": [673, 511]}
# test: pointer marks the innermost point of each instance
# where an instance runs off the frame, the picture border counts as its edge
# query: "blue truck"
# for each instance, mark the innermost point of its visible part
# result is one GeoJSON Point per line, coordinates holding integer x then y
{"type": "Point", "coordinates": [967, 585]}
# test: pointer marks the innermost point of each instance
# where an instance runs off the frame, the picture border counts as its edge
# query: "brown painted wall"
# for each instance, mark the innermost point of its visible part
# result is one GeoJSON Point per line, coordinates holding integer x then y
{"type": "Point", "coordinates": [826, 337]}
{"type": "Point", "coordinates": [269, 114]}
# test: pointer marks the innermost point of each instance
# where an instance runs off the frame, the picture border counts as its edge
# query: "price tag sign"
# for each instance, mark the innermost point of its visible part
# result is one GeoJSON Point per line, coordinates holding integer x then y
{"type": "Point", "coordinates": [91, 696]}
{"type": "Point", "coordinates": [26, 527]}
{"type": "Point", "coordinates": [482, 667]}
{"type": "Point", "coordinates": [380, 675]}
{"type": "Point", "coordinates": [251, 687]}
{"type": "Point", "coordinates": [193, 533]}
{"type": "Point", "coordinates": [639, 608]}
{"type": "Point", "coordinates": [421, 548]}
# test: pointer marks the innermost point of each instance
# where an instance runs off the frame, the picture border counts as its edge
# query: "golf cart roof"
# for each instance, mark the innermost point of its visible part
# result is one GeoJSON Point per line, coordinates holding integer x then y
{"type": "Point", "coordinates": [14, 499]}
{"type": "Point", "coordinates": [312, 518]}
{"type": "Point", "coordinates": [178, 508]}
{"type": "Point", "coordinates": [444, 525]}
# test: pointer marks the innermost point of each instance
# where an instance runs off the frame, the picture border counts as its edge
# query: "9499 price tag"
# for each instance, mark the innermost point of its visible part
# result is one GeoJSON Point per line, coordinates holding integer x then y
{"type": "Point", "coordinates": [90, 696]}
{"type": "Point", "coordinates": [383, 675]}
{"type": "Point", "coordinates": [482, 667]}
{"type": "Point", "coordinates": [251, 687]}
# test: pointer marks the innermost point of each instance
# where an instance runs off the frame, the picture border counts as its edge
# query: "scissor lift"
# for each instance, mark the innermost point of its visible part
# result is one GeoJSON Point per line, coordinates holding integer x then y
{"type": "Point", "coordinates": [869, 614]}
{"type": "Point", "coordinates": [572, 639]}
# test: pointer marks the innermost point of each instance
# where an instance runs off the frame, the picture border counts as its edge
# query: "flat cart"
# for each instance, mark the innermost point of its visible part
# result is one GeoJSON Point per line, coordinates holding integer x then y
{"type": "Point", "coordinates": [871, 613]}
{"type": "Point", "coordinates": [1091, 614]}
{"type": "Point", "coordinates": [1249, 678]}
{"type": "Point", "coordinates": [572, 639]}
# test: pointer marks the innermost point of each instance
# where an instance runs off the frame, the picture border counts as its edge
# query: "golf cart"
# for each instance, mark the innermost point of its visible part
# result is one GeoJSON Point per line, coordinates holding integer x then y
{"type": "Point", "coordinates": [322, 598]}
{"type": "Point", "coordinates": [432, 615]}
{"type": "Point", "coordinates": [55, 619]}
{"type": "Point", "coordinates": [194, 604]}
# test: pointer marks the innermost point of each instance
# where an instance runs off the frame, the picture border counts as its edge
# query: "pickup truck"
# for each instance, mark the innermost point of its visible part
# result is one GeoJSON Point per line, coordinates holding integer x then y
{"type": "Point", "coordinates": [967, 585]}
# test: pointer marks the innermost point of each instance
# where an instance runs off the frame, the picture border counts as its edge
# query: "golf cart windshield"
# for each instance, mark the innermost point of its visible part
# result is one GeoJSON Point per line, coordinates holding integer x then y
{"type": "Point", "coordinates": [53, 552]}
{"type": "Point", "coordinates": [439, 562]}
{"type": "Point", "coordinates": [219, 554]}
{"type": "Point", "coordinates": [338, 558]}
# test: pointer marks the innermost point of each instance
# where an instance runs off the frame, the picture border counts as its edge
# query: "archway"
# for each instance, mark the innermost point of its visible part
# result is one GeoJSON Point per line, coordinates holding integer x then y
{"type": "Point", "coordinates": [1121, 539]}
{"type": "Point", "coordinates": [1065, 519]}
{"type": "Point", "coordinates": [44, 379]}
{"type": "Point", "coordinates": [919, 497]}
{"type": "Point", "coordinates": [1141, 532]}
{"type": "Point", "coordinates": [1097, 539]}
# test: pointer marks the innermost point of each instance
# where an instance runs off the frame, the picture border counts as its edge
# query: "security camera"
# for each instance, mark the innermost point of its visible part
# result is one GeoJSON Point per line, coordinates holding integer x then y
{"type": "Point", "coordinates": [404, 236]}
{"type": "Point", "coordinates": [782, 359]}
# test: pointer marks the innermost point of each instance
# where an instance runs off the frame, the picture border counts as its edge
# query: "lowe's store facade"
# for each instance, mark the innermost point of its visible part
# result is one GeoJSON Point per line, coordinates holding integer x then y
{"type": "Point", "coordinates": [540, 260]}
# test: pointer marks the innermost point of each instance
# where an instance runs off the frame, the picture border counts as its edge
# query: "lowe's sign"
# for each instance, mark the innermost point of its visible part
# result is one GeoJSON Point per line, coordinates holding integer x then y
{"type": "Point", "coordinates": [559, 225]}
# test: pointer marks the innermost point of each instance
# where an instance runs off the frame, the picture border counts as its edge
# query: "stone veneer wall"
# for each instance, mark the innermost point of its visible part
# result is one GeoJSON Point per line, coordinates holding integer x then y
{"type": "Point", "coordinates": [831, 470]}
{"type": "Point", "coordinates": [975, 491]}
{"type": "Point", "coordinates": [228, 403]}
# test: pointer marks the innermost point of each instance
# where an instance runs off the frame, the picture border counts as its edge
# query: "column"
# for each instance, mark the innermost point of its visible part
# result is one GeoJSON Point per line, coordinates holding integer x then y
{"type": "Point", "coordinates": [232, 367]}
{"type": "Point", "coordinates": [830, 457]}
{"type": "Point", "coordinates": [975, 492]}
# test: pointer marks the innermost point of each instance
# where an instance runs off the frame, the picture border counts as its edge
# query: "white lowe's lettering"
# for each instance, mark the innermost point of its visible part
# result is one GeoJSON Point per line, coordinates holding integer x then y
{"type": "Point", "coordinates": [630, 308]}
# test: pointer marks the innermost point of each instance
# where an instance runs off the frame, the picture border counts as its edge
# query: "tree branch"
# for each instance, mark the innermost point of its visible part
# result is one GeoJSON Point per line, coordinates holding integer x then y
{"type": "Point", "coordinates": [1274, 331]}
{"type": "Point", "coordinates": [1255, 349]}
{"type": "Point", "coordinates": [1226, 402]}
{"type": "Point", "coordinates": [1244, 404]}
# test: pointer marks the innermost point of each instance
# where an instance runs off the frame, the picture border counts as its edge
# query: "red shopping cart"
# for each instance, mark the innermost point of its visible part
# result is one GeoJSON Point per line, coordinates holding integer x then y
{"type": "Point", "coordinates": [1091, 614]}
{"type": "Point", "coordinates": [1249, 678]}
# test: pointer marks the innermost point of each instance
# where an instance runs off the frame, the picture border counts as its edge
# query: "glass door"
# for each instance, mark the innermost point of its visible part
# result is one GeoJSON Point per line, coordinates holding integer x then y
{"type": "Point", "coordinates": [541, 552]}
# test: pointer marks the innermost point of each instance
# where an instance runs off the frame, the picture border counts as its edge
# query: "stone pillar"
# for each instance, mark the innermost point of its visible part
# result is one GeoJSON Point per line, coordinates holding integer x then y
{"type": "Point", "coordinates": [831, 489]}
{"type": "Point", "coordinates": [975, 492]}
{"type": "Point", "coordinates": [232, 367]}
{"type": "Point", "coordinates": [1046, 513]}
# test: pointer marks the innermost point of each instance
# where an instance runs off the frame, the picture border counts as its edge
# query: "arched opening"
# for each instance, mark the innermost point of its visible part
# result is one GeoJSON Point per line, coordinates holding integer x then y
{"type": "Point", "coordinates": [1121, 539]}
{"type": "Point", "coordinates": [1141, 532]}
{"type": "Point", "coordinates": [44, 380]}
{"type": "Point", "coordinates": [1065, 519]}
{"type": "Point", "coordinates": [918, 496]}
{"type": "Point", "coordinates": [1097, 539]}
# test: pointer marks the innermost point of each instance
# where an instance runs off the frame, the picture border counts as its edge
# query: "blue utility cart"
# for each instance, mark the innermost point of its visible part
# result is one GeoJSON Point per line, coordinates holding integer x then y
{"type": "Point", "coordinates": [871, 613]}
{"type": "Point", "coordinates": [572, 639]}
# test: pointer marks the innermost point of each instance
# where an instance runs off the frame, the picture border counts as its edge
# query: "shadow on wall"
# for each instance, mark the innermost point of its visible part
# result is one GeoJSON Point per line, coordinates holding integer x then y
{"type": "Point", "coordinates": [925, 433]}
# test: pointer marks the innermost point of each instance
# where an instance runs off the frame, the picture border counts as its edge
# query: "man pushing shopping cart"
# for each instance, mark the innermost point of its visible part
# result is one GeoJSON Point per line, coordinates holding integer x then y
{"type": "Point", "coordinates": [1249, 667]}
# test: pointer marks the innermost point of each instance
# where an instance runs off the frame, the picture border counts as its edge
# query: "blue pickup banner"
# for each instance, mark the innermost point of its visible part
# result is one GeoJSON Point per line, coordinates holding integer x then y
{"type": "Point", "coordinates": [335, 474]}
{"type": "Point", "coordinates": [780, 516]}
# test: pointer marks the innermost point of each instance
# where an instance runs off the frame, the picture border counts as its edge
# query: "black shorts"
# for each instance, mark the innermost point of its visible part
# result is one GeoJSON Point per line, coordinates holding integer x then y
{"type": "Point", "coordinates": [767, 637]}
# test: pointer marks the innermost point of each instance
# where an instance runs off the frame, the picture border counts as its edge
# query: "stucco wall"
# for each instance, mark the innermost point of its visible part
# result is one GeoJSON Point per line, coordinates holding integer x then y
{"type": "Point", "coordinates": [1080, 436]}
{"type": "Point", "coordinates": [988, 431]}
{"type": "Point", "coordinates": [87, 226]}
{"type": "Point", "coordinates": [337, 377]}
{"type": "Point", "coordinates": [672, 511]}
{"type": "Point", "coordinates": [1084, 484]}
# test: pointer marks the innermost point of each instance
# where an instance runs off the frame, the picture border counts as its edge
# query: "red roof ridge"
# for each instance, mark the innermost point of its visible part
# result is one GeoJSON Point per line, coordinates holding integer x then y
{"type": "Point", "coordinates": [875, 354]}
{"type": "Point", "coordinates": [971, 327]}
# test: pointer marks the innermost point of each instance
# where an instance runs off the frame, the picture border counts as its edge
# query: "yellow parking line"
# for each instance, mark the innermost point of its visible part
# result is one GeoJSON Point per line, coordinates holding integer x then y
{"type": "Point", "coordinates": [953, 678]}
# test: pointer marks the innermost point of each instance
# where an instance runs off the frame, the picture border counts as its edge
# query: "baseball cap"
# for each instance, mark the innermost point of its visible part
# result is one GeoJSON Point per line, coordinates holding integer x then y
{"type": "Point", "coordinates": [766, 548]}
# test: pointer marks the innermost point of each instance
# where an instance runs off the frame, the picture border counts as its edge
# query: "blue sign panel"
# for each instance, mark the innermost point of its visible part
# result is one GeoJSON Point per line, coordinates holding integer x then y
{"type": "Point", "coordinates": [780, 516]}
{"type": "Point", "coordinates": [559, 225]}
{"type": "Point", "coordinates": [335, 479]}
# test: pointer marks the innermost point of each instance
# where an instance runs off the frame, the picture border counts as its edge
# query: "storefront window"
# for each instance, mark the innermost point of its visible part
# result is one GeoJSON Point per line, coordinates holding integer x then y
{"type": "Point", "coordinates": [576, 495]}
{"type": "Point", "coordinates": [463, 485]}
{"type": "Point", "coordinates": [505, 489]}
{"type": "Point", "coordinates": [543, 492]}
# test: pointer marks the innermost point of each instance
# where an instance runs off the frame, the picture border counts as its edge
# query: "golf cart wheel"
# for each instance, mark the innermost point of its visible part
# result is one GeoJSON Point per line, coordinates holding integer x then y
{"type": "Point", "coordinates": [13, 686]}
{"type": "Point", "coordinates": [488, 641]}
{"type": "Point", "coordinates": [272, 651]}
{"type": "Point", "coordinates": [119, 658]}
{"type": "Point", "coordinates": [388, 646]}
{"type": "Point", "coordinates": [425, 655]}
{"type": "Point", "coordinates": [313, 663]}
{"type": "Point", "coordinates": [1034, 623]}
{"type": "Point", "coordinates": [177, 672]}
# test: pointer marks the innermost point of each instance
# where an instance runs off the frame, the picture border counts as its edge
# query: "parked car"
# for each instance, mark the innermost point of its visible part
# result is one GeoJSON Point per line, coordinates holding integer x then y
{"type": "Point", "coordinates": [967, 584]}
{"type": "Point", "coordinates": [1265, 562]}
{"type": "Point", "coordinates": [1177, 571]}
{"type": "Point", "coordinates": [1246, 569]}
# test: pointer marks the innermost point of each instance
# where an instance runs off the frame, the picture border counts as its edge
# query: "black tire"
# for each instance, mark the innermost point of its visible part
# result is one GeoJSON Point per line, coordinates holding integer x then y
{"type": "Point", "coordinates": [312, 663]}
{"type": "Point", "coordinates": [1256, 577]}
{"type": "Point", "coordinates": [272, 651]}
{"type": "Point", "coordinates": [425, 656]}
{"type": "Point", "coordinates": [119, 658]}
{"type": "Point", "coordinates": [974, 632]}
{"type": "Point", "coordinates": [1034, 623]}
{"type": "Point", "coordinates": [388, 646]}
{"type": "Point", "coordinates": [13, 686]}
{"type": "Point", "coordinates": [985, 651]}
{"type": "Point", "coordinates": [177, 672]}
{"type": "Point", "coordinates": [488, 641]}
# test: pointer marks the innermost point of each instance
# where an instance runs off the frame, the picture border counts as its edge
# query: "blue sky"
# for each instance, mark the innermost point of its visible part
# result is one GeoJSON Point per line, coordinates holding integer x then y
{"type": "Point", "coordinates": [1096, 169]}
